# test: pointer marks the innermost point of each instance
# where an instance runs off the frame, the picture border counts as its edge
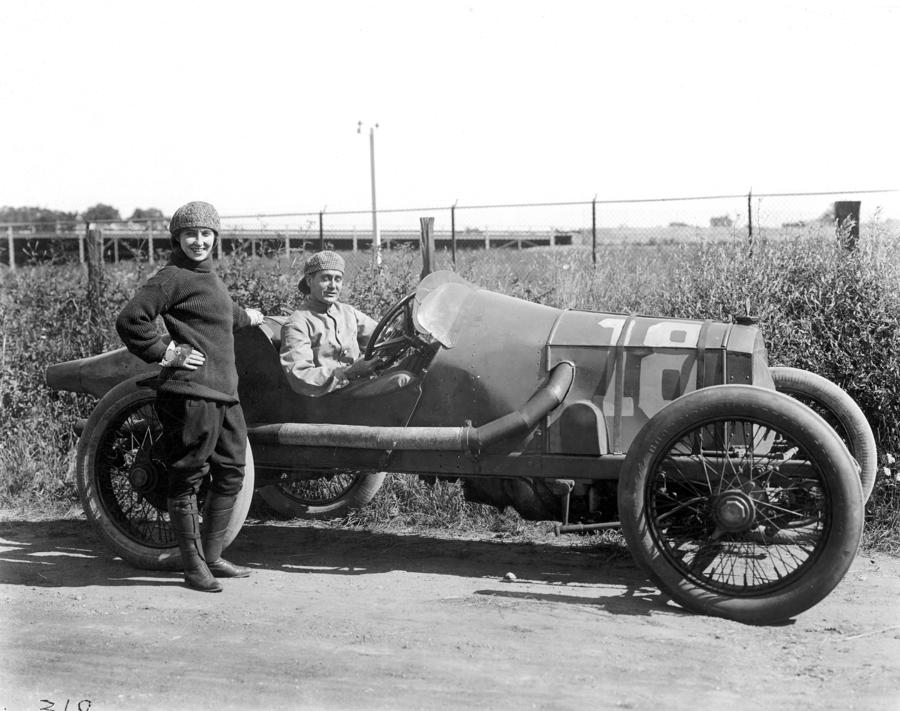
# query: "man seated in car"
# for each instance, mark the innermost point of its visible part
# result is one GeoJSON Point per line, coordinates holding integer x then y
{"type": "Point", "coordinates": [322, 341]}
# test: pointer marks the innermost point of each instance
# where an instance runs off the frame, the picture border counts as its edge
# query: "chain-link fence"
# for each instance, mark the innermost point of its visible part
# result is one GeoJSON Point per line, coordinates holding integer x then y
{"type": "Point", "coordinates": [586, 223]}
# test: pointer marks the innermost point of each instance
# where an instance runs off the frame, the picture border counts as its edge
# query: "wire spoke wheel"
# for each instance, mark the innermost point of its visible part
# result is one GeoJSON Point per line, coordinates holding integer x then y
{"type": "Point", "coordinates": [840, 411]}
{"type": "Point", "coordinates": [742, 503]}
{"type": "Point", "coordinates": [316, 495]}
{"type": "Point", "coordinates": [130, 483]}
{"type": "Point", "coordinates": [743, 526]}
{"type": "Point", "coordinates": [122, 481]}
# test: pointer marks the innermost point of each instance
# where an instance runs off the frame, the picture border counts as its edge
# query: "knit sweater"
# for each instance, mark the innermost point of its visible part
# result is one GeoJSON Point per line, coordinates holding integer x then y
{"type": "Point", "coordinates": [197, 311]}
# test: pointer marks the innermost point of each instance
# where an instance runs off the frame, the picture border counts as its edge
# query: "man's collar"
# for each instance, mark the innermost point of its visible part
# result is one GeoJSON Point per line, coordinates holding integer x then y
{"type": "Point", "coordinates": [319, 308]}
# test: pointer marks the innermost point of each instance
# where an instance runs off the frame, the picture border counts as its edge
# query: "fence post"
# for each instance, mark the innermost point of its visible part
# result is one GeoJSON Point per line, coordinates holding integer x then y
{"type": "Point", "coordinates": [150, 257]}
{"type": "Point", "coordinates": [12, 248]}
{"type": "Point", "coordinates": [426, 234]}
{"type": "Point", "coordinates": [453, 234]}
{"type": "Point", "coordinates": [750, 219]}
{"type": "Point", "coordinates": [846, 222]}
{"type": "Point", "coordinates": [594, 230]}
{"type": "Point", "coordinates": [115, 241]}
{"type": "Point", "coordinates": [94, 238]}
{"type": "Point", "coordinates": [80, 248]}
{"type": "Point", "coordinates": [322, 232]}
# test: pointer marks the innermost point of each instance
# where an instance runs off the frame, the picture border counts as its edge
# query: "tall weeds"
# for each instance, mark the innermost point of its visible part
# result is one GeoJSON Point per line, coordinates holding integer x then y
{"type": "Point", "coordinates": [820, 307]}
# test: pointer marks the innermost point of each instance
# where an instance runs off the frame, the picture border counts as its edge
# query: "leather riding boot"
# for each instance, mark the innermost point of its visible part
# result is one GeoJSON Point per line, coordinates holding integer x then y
{"type": "Point", "coordinates": [216, 515]}
{"type": "Point", "coordinates": [185, 520]}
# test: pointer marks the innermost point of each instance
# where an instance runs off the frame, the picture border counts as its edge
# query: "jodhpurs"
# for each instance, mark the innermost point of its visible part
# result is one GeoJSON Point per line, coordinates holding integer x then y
{"type": "Point", "coordinates": [201, 437]}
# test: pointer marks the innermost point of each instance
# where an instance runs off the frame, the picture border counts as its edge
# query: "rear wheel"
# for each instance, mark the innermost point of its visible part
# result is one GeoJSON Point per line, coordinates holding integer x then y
{"type": "Point", "coordinates": [123, 486]}
{"type": "Point", "coordinates": [840, 411]}
{"type": "Point", "coordinates": [742, 503]}
{"type": "Point", "coordinates": [315, 495]}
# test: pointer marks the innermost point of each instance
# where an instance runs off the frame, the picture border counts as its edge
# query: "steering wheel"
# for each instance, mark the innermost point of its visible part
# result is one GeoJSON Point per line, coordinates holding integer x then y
{"type": "Point", "coordinates": [394, 335]}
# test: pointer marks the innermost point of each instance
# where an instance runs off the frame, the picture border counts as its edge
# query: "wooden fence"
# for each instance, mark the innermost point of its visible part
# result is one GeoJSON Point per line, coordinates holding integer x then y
{"type": "Point", "coordinates": [31, 243]}
{"type": "Point", "coordinates": [116, 245]}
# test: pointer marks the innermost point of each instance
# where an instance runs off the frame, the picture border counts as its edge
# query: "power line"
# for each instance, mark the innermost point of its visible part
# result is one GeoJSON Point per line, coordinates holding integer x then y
{"type": "Point", "coordinates": [569, 203]}
{"type": "Point", "coordinates": [456, 206]}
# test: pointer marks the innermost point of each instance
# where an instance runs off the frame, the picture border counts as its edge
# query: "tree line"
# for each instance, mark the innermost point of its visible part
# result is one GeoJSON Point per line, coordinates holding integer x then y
{"type": "Point", "coordinates": [49, 220]}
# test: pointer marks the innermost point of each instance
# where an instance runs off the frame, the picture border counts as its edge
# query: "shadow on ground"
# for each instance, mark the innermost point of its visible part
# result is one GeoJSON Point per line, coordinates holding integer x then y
{"type": "Point", "coordinates": [68, 553]}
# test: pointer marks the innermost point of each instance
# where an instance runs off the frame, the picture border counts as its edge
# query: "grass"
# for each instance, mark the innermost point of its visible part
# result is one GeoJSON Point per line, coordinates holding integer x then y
{"type": "Point", "coordinates": [821, 308]}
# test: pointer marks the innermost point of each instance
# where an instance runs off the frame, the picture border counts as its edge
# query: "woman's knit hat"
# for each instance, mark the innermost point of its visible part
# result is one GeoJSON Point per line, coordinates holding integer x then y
{"type": "Point", "coordinates": [323, 260]}
{"type": "Point", "coordinates": [194, 214]}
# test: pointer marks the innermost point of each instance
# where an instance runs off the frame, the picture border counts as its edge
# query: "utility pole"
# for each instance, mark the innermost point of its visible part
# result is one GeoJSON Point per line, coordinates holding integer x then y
{"type": "Point", "coordinates": [376, 235]}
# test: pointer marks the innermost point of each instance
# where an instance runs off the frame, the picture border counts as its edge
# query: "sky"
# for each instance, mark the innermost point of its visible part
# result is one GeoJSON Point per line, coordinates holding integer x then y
{"type": "Point", "coordinates": [255, 106]}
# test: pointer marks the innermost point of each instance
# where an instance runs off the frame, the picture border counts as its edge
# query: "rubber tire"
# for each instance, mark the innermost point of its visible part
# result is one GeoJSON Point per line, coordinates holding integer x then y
{"type": "Point", "coordinates": [844, 500]}
{"type": "Point", "coordinates": [857, 434]}
{"type": "Point", "coordinates": [129, 396]}
{"type": "Point", "coordinates": [360, 493]}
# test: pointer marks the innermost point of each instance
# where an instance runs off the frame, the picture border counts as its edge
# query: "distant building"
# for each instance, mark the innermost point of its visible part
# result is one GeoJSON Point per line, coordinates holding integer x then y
{"type": "Point", "coordinates": [723, 221]}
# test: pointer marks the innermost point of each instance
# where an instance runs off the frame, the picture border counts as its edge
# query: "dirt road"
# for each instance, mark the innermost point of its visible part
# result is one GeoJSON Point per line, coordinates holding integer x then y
{"type": "Point", "coordinates": [338, 619]}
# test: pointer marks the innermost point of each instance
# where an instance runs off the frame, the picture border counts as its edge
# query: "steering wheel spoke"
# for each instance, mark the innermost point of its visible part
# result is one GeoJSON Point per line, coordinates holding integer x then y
{"type": "Point", "coordinates": [395, 335]}
{"type": "Point", "coordinates": [392, 344]}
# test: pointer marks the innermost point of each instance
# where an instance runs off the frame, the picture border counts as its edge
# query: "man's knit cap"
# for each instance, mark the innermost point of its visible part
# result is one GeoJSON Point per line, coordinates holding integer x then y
{"type": "Point", "coordinates": [194, 214]}
{"type": "Point", "coordinates": [324, 260]}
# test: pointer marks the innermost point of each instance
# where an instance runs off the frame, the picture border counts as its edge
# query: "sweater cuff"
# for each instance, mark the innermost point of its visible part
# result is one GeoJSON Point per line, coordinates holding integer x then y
{"type": "Point", "coordinates": [154, 353]}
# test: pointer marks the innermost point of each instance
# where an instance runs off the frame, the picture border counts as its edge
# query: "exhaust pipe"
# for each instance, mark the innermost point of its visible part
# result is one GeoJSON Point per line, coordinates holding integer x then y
{"type": "Point", "coordinates": [447, 439]}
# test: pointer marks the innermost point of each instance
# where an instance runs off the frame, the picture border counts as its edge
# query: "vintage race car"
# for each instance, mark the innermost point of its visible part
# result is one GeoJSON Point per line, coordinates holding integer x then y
{"type": "Point", "coordinates": [739, 487]}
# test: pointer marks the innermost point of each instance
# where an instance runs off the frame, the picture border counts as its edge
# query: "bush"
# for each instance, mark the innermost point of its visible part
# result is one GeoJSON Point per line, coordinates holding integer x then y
{"type": "Point", "coordinates": [821, 308]}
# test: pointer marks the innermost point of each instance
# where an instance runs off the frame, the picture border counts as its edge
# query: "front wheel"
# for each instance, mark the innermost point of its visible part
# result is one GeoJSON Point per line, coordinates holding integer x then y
{"type": "Point", "coordinates": [840, 411]}
{"type": "Point", "coordinates": [742, 503]}
{"type": "Point", "coordinates": [314, 495]}
{"type": "Point", "coordinates": [123, 486]}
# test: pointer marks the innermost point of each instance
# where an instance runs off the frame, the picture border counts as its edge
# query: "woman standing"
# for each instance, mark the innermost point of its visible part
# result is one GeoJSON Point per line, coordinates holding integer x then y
{"type": "Point", "coordinates": [204, 433]}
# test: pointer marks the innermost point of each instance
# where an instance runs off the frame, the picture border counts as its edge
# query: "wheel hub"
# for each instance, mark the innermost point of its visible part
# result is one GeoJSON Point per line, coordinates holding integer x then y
{"type": "Point", "coordinates": [734, 511]}
{"type": "Point", "coordinates": [143, 475]}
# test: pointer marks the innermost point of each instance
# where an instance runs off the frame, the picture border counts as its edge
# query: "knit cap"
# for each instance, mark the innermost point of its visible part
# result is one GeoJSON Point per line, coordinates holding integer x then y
{"type": "Point", "coordinates": [324, 260]}
{"type": "Point", "coordinates": [194, 214]}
